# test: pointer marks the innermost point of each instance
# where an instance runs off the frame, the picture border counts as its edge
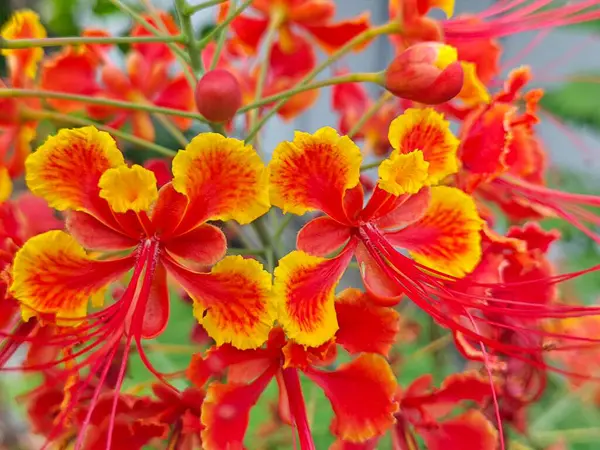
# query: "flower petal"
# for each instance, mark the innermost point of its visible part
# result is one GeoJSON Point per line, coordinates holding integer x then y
{"type": "Point", "coordinates": [305, 290]}
{"type": "Point", "coordinates": [225, 412]}
{"type": "Point", "coordinates": [360, 417]}
{"type": "Point", "coordinates": [406, 212]}
{"type": "Point", "coordinates": [128, 188]}
{"type": "Point", "coordinates": [156, 311]}
{"type": "Point", "coordinates": [322, 236]}
{"type": "Point", "coordinates": [66, 169]}
{"type": "Point", "coordinates": [223, 180]}
{"type": "Point", "coordinates": [177, 94]}
{"type": "Point", "coordinates": [5, 185]}
{"type": "Point", "coordinates": [155, 52]}
{"type": "Point", "coordinates": [233, 302]}
{"type": "Point", "coordinates": [473, 91]}
{"type": "Point", "coordinates": [249, 31]}
{"type": "Point", "coordinates": [313, 172]}
{"type": "Point", "coordinates": [383, 291]}
{"type": "Point", "coordinates": [23, 24]}
{"type": "Point", "coordinates": [52, 274]}
{"type": "Point", "coordinates": [403, 173]}
{"type": "Point", "coordinates": [469, 431]}
{"type": "Point", "coordinates": [205, 245]}
{"type": "Point", "coordinates": [426, 130]}
{"type": "Point", "coordinates": [335, 35]}
{"type": "Point", "coordinates": [94, 235]}
{"type": "Point", "coordinates": [301, 357]}
{"type": "Point", "coordinates": [365, 326]}
{"type": "Point", "coordinates": [168, 211]}
{"type": "Point", "coordinates": [447, 238]}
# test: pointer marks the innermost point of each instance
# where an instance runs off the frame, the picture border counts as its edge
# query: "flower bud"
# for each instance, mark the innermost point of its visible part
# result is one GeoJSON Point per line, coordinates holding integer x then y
{"type": "Point", "coordinates": [427, 72]}
{"type": "Point", "coordinates": [218, 95]}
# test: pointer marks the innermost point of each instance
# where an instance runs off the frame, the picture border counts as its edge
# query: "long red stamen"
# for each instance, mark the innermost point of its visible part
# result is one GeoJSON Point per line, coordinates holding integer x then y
{"type": "Point", "coordinates": [298, 408]}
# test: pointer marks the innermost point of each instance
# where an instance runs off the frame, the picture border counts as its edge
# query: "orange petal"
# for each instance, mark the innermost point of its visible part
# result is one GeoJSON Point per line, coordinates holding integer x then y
{"type": "Point", "coordinates": [311, 11]}
{"type": "Point", "coordinates": [469, 431]}
{"type": "Point", "coordinates": [473, 91]}
{"type": "Point", "coordinates": [360, 417]}
{"type": "Point", "coordinates": [23, 24]}
{"type": "Point", "coordinates": [95, 235]}
{"type": "Point", "coordinates": [333, 36]}
{"type": "Point", "coordinates": [383, 291]}
{"type": "Point", "coordinates": [128, 188]}
{"type": "Point", "coordinates": [225, 412]}
{"type": "Point", "coordinates": [223, 180]}
{"type": "Point", "coordinates": [322, 236]}
{"type": "Point", "coordinates": [205, 245]}
{"type": "Point", "coordinates": [427, 131]}
{"type": "Point", "coordinates": [447, 238]}
{"type": "Point", "coordinates": [233, 302]}
{"type": "Point", "coordinates": [305, 290]}
{"type": "Point", "coordinates": [52, 274]}
{"type": "Point", "coordinates": [313, 172]}
{"type": "Point", "coordinates": [155, 52]}
{"type": "Point", "coordinates": [65, 170]}
{"type": "Point", "coordinates": [406, 212]}
{"type": "Point", "coordinates": [365, 326]}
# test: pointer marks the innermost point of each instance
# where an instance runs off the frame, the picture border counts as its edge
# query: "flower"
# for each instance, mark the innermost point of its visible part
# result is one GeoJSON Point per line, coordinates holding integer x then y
{"type": "Point", "coordinates": [112, 207]}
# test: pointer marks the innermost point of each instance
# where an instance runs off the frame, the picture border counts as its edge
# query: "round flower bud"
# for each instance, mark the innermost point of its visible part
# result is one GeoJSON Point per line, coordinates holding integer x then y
{"type": "Point", "coordinates": [427, 73]}
{"type": "Point", "coordinates": [218, 95]}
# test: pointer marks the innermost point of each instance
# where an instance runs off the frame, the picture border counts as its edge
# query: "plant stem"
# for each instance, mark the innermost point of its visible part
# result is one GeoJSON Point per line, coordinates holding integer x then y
{"type": "Point", "coordinates": [370, 165]}
{"type": "Point", "coordinates": [192, 9]}
{"type": "Point", "coordinates": [222, 37]}
{"type": "Point", "coordinates": [362, 38]}
{"type": "Point", "coordinates": [79, 121]}
{"type": "Point", "coordinates": [38, 93]}
{"type": "Point", "coordinates": [191, 44]}
{"type": "Point", "coordinates": [298, 408]}
{"type": "Point", "coordinates": [246, 251]}
{"type": "Point", "coordinates": [279, 231]}
{"type": "Point", "coordinates": [77, 40]}
{"type": "Point", "coordinates": [385, 97]}
{"type": "Point", "coordinates": [172, 129]}
{"type": "Point", "coordinates": [223, 26]}
{"type": "Point", "coordinates": [373, 77]}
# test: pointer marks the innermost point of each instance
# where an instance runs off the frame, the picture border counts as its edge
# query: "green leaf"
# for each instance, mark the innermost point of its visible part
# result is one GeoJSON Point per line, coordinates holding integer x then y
{"type": "Point", "coordinates": [576, 102]}
{"type": "Point", "coordinates": [104, 8]}
{"type": "Point", "coordinates": [62, 20]}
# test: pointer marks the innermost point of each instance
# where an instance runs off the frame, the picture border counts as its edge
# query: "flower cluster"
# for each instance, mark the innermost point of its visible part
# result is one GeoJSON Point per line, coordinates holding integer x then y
{"type": "Point", "coordinates": [101, 242]}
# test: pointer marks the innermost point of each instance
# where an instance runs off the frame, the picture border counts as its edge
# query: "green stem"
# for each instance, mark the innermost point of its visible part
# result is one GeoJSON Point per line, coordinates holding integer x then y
{"type": "Point", "coordinates": [362, 38]}
{"type": "Point", "coordinates": [193, 9]}
{"type": "Point", "coordinates": [38, 93]}
{"type": "Point", "coordinates": [265, 239]}
{"type": "Point", "coordinates": [385, 97]}
{"type": "Point", "coordinates": [175, 132]}
{"type": "Point", "coordinates": [193, 49]}
{"type": "Point", "coordinates": [279, 231]}
{"type": "Point", "coordinates": [222, 37]}
{"type": "Point", "coordinates": [223, 26]}
{"type": "Point", "coordinates": [76, 40]}
{"type": "Point", "coordinates": [371, 165]}
{"type": "Point", "coordinates": [79, 121]}
{"type": "Point", "coordinates": [372, 77]}
{"type": "Point", "coordinates": [246, 251]}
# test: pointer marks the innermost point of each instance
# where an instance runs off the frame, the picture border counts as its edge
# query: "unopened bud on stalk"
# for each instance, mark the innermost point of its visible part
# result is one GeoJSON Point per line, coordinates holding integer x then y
{"type": "Point", "coordinates": [427, 72]}
{"type": "Point", "coordinates": [218, 95]}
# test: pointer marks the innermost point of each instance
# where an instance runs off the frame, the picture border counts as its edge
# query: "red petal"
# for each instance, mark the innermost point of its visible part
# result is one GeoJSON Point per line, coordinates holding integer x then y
{"type": "Point", "coordinates": [155, 52]}
{"type": "Point", "coordinates": [94, 235]}
{"type": "Point", "coordinates": [301, 357]}
{"type": "Point", "coordinates": [364, 326]}
{"type": "Point", "coordinates": [156, 311]}
{"type": "Point", "coordinates": [292, 65]}
{"type": "Point", "coordinates": [469, 431]}
{"type": "Point", "coordinates": [38, 217]}
{"type": "Point", "coordinates": [407, 212]}
{"type": "Point", "coordinates": [205, 245]}
{"type": "Point", "coordinates": [161, 169]}
{"type": "Point", "coordinates": [360, 417]}
{"type": "Point", "coordinates": [249, 31]}
{"type": "Point", "coordinates": [322, 236]}
{"type": "Point", "coordinates": [226, 410]}
{"type": "Point", "coordinates": [177, 94]}
{"type": "Point", "coordinates": [333, 36]}
{"type": "Point", "coordinates": [534, 235]}
{"type": "Point", "coordinates": [382, 290]}
{"type": "Point", "coordinates": [311, 11]}
{"type": "Point", "coordinates": [168, 210]}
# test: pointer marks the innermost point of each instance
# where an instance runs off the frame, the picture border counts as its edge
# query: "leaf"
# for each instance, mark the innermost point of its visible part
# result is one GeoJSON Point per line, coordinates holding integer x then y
{"type": "Point", "coordinates": [62, 19]}
{"type": "Point", "coordinates": [576, 101]}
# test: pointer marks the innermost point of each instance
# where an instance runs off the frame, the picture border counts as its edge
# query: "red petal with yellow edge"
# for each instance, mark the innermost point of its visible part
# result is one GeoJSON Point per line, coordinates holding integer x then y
{"type": "Point", "coordinates": [406, 212]}
{"type": "Point", "coordinates": [313, 172]}
{"type": "Point", "coordinates": [52, 274]}
{"type": "Point", "coordinates": [249, 31]}
{"type": "Point", "coordinates": [65, 169]}
{"type": "Point", "coordinates": [226, 409]}
{"type": "Point", "coordinates": [23, 24]}
{"type": "Point", "coordinates": [365, 326]}
{"type": "Point", "coordinates": [447, 238]}
{"type": "Point", "coordinates": [428, 131]}
{"type": "Point", "coordinates": [473, 91]}
{"type": "Point", "coordinates": [233, 302]}
{"type": "Point", "coordinates": [322, 236]}
{"type": "Point", "coordinates": [155, 52]}
{"type": "Point", "coordinates": [95, 235]}
{"type": "Point", "coordinates": [71, 71]}
{"type": "Point", "coordinates": [301, 357]}
{"type": "Point", "coordinates": [469, 431]}
{"type": "Point", "coordinates": [168, 211]}
{"type": "Point", "coordinates": [382, 290]}
{"type": "Point", "coordinates": [177, 94]}
{"type": "Point", "coordinates": [205, 245]}
{"type": "Point", "coordinates": [445, 5]}
{"type": "Point", "coordinates": [311, 11]}
{"type": "Point", "coordinates": [333, 36]}
{"type": "Point", "coordinates": [304, 288]}
{"type": "Point", "coordinates": [360, 417]}
{"type": "Point", "coordinates": [223, 180]}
